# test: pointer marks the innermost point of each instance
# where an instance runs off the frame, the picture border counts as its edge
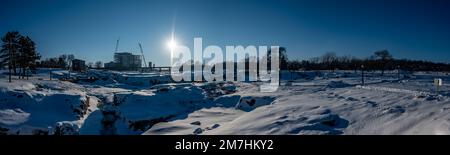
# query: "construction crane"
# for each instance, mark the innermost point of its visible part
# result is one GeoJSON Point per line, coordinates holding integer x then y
{"type": "Point", "coordinates": [117, 45]}
{"type": "Point", "coordinates": [143, 57]}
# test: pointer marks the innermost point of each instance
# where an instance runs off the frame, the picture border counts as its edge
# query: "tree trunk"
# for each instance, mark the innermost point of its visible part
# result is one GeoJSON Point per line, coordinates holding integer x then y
{"type": "Point", "coordinates": [10, 74]}
{"type": "Point", "coordinates": [24, 73]}
{"type": "Point", "coordinates": [14, 65]}
{"type": "Point", "coordinates": [20, 73]}
{"type": "Point", "coordinates": [10, 64]}
{"type": "Point", "coordinates": [15, 70]}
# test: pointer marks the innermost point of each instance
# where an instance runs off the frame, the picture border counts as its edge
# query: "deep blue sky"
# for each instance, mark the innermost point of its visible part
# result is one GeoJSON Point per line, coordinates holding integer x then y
{"type": "Point", "coordinates": [90, 28]}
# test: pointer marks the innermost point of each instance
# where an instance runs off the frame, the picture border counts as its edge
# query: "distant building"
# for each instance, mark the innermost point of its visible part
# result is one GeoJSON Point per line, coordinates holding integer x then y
{"type": "Point", "coordinates": [110, 65]}
{"type": "Point", "coordinates": [125, 61]}
{"type": "Point", "coordinates": [78, 65]}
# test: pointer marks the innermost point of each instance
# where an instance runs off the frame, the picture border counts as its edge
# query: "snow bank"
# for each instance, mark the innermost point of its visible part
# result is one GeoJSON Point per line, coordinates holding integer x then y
{"type": "Point", "coordinates": [284, 119]}
{"type": "Point", "coordinates": [150, 105]}
{"type": "Point", "coordinates": [30, 108]}
{"type": "Point", "coordinates": [337, 84]}
{"type": "Point", "coordinates": [112, 78]}
{"type": "Point", "coordinates": [135, 112]}
{"type": "Point", "coordinates": [308, 102]}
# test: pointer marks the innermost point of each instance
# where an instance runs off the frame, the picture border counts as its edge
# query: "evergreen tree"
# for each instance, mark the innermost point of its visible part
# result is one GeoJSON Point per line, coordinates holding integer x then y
{"type": "Point", "coordinates": [28, 55]}
{"type": "Point", "coordinates": [9, 51]}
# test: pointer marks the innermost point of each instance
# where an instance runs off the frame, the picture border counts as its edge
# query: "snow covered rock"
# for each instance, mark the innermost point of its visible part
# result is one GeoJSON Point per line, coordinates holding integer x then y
{"type": "Point", "coordinates": [196, 123]}
{"type": "Point", "coordinates": [216, 89]}
{"type": "Point", "coordinates": [198, 131]}
{"type": "Point", "coordinates": [248, 103]}
{"type": "Point", "coordinates": [65, 128]}
{"type": "Point", "coordinates": [140, 110]}
{"type": "Point", "coordinates": [29, 110]}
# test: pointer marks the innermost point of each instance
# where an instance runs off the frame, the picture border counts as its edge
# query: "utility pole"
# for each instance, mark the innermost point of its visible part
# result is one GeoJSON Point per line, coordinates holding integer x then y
{"type": "Point", "coordinates": [362, 75]}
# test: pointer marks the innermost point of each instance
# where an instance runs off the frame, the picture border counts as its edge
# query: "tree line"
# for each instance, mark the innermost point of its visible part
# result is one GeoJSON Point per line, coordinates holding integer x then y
{"type": "Point", "coordinates": [19, 54]}
{"type": "Point", "coordinates": [381, 60]}
{"type": "Point", "coordinates": [64, 61]}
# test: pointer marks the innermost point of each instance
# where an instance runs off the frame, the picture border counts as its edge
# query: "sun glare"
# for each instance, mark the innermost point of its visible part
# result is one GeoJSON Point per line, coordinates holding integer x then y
{"type": "Point", "coordinates": [172, 44]}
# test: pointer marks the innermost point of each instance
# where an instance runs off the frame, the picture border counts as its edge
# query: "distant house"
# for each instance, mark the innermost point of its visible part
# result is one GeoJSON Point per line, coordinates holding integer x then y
{"type": "Point", "coordinates": [110, 65]}
{"type": "Point", "coordinates": [78, 65]}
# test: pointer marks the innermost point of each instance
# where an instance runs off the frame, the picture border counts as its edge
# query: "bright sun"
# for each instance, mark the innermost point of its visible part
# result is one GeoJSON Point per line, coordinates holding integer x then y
{"type": "Point", "coordinates": [172, 44]}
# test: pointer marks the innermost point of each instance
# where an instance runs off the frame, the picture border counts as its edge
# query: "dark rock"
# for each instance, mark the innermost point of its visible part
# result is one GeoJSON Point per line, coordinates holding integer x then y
{"type": "Point", "coordinates": [198, 131]}
{"type": "Point", "coordinates": [196, 123]}
{"type": "Point", "coordinates": [215, 126]}
{"type": "Point", "coordinates": [251, 102]}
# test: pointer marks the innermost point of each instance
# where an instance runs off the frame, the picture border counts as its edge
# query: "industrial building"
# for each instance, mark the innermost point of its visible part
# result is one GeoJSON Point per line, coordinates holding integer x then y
{"type": "Point", "coordinates": [125, 61]}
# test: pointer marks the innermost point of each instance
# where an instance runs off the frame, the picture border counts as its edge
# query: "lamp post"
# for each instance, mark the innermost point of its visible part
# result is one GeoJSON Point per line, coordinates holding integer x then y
{"type": "Point", "coordinates": [438, 84]}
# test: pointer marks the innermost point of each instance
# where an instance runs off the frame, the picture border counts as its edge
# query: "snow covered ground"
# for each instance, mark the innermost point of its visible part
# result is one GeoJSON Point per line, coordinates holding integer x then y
{"type": "Point", "coordinates": [38, 106]}
{"type": "Point", "coordinates": [310, 102]}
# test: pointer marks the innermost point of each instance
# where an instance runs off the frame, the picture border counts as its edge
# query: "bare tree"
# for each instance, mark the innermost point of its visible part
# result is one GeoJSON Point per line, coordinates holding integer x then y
{"type": "Point", "coordinates": [90, 64]}
{"type": "Point", "coordinates": [70, 58]}
{"type": "Point", "coordinates": [98, 64]}
{"type": "Point", "coordinates": [384, 58]}
{"type": "Point", "coordinates": [329, 59]}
